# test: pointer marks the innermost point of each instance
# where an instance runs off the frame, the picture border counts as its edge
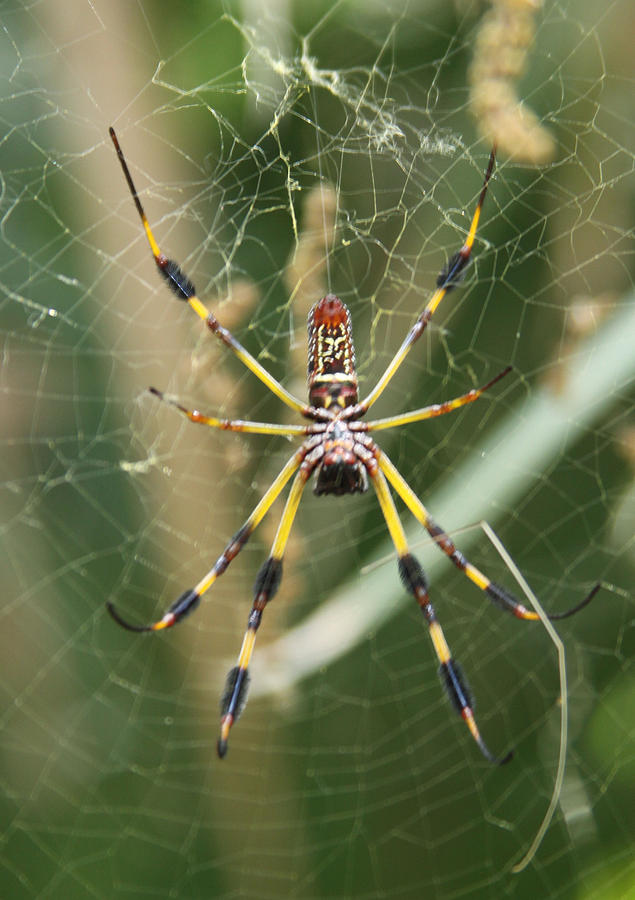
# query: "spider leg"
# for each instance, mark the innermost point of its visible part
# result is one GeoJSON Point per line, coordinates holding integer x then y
{"type": "Point", "coordinates": [437, 409]}
{"type": "Point", "coordinates": [414, 581]}
{"type": "Point", "coordinates": [231, 424]}
{"type": "Point", "coordinates": [190, 599]}
{"type": "Point", "coordinates": [267, 582]}
{"type": "Point", "coordinates": [448, 279]}
{"type": "Point", "coordinates": [497, 594]}
{"type": "Point", "coordinates": [184, 289]}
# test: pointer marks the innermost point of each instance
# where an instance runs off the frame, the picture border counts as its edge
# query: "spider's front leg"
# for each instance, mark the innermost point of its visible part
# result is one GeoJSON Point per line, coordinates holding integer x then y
{"type": "Point", "coordinates": [190, 599]}
{"type": "Point", "coordinates": [498, 595]}
{"type": "Point", "coordinates": [414, 581]}
{"type": "Point", "coordinates": [267, 582]}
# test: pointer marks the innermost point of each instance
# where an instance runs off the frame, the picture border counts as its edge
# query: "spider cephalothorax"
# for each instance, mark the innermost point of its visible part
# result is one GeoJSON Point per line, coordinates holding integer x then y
{"type": "Point", "coordinates": [339, 450]}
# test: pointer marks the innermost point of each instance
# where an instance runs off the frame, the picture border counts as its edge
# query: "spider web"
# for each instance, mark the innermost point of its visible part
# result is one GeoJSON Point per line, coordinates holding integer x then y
{"type": "Point", "coordinates": [282, 151]}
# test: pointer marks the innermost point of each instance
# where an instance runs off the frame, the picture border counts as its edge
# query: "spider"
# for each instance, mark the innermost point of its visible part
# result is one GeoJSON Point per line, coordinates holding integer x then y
{"type": "Point", "coordinates": [338, 450]}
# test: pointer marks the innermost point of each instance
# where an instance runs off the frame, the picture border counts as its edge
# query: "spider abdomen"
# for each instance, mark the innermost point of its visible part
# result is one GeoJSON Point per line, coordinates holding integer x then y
{"type": "Point", "coordinates": [331, 367]}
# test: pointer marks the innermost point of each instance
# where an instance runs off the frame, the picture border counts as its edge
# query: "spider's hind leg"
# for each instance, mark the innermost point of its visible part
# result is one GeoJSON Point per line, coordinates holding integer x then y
{"type": "Point", "coordinates": [184, 290]}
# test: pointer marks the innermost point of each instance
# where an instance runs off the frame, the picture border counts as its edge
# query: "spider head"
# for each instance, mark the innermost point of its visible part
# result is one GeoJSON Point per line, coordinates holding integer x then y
{"type": "Point", "coordinates": [340, 470]}
{"type": "Point", "coordinates": [340, 477]}
{"type": "Point", "coordinates": [332, 376]}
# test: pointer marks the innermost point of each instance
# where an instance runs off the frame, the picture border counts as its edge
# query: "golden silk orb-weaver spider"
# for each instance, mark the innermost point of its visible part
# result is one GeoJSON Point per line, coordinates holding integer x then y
{"type": "Point", "coordinates": [339, 452]}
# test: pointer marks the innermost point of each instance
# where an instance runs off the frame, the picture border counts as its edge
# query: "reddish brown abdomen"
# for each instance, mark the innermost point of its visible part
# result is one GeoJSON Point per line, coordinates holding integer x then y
{"type": "Point", "coordinates": [332, 376]}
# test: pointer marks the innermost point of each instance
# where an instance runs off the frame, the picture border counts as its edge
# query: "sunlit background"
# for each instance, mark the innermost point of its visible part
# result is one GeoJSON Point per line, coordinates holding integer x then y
{"type": "Point", "coordinates": [282, 150]}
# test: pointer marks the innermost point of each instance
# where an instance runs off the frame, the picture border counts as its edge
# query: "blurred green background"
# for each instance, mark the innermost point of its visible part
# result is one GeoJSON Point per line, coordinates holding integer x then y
{"type": "Point", "coordinates": [359, 780]}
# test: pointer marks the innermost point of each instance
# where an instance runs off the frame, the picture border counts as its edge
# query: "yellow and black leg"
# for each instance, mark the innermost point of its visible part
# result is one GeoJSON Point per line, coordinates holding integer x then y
{"type": "Point", "coordinates": [184, 290]}
{"type": "Point", "coordinates": [449, 278]}
{"type": "Point", "coordinates": [437, 409]}
{"type": "Point", "coordinates": [414, 581]}
{"type": "Point", "coordinates": [267, 582]}
{"type": "Point", "coordinates": [497, 594]}
{"type": "Point", "coordinates": [199, 418]}
{"type": "Point", "coordinates": [190, 599]}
